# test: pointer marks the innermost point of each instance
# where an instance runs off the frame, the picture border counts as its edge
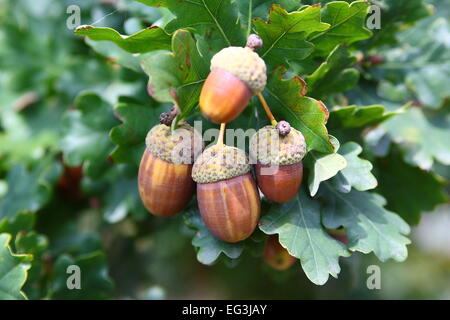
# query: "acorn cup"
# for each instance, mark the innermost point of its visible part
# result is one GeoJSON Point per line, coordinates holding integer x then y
{"type": "Point", "coordinates": [275, 255]}
{"type": "Point", "coordinates": [227, 195]}
{"type": "Point", "coordinates": [164, 179]}
{"type": "Point", "coordinates": [278, 153]}
{"type": "Point", "coordinates": [236, 75]}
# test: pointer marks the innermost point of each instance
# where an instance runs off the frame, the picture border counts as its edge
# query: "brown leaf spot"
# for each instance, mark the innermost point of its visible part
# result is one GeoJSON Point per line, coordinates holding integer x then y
{"type": "Point", "coordinates": [324, 108]}
{"type": "Point", "coordinates": [304, 86]}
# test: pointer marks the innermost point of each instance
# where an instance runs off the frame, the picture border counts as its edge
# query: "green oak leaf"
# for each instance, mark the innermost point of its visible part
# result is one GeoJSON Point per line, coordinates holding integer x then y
{"type": "Point", "coordinates": [29, 190]}
{"type": "Point", "coordinates": [422, 61]}
{"type": "Point", "coordinates": [24, 140]}
{"type": "Point", "coordinates": [259, 8]}
{"type": "Point", "coordinates": [13, 270]}
{"type": "Point", "coordinates": [129, 137]}
{"type": "Point", "coordinates": [22, 221]}
{"type": "Point", "coordinates": [85, 140]}
{"type": "Point", "coordinates": [116, 54]}
{"type": "Point", "coordinates": [284, 34]}
{"type": "Point", "coordinates": [209, 248]}
{"type": "Point", "coordinates": [36, 245]}
{"type": "Point", "coordinates": [31, 243]}
{"type": "Point", "coordinates": [357, 173]}
{"type": "Point", "coordinates": [121, 199]}
{"type": "Point", "coordinates": [395, 16]}
{"type": "Point", "coordinates": [95, 282]}
{"type": "Point", "coordinates": [287, 100]}
{"type": "Point", "coordinates": [428, 67]}
{"type": "Point", "coordinates": [359, 117]}
{"type": "Point", "coordinates": [146, 40]}
{"type": "Point", "coordinates": [347, 25]}
{"type": "Point", "coordinates": [424, 138]}
{"type": "Point", "coordinates": [409, 190]}
{"type": "Point", "coordinates": [369, 226]}
{"type": "Point", "coordinates": [223, 15]}
{"type": "Point", "coordinates": [180, 72]}
{"type": "Point", "coordinates": [334, 75]}
{"type": "Point", "coordinates": [369, 95]}
{"type": "Point", "coordinates": [27, 241]}
{"type": "Point", "coordinates": [297, 223]}
{"type": "Point", "coordinates": [323, 166]}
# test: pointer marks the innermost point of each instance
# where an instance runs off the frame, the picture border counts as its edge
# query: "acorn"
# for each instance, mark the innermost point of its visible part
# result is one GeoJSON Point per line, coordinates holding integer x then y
{"type": "Point", "coordinates": [227, 195]}
{"type": "Point", "coordinates": [164, 179]}
{"type": "Point", "coordinates": [236, 75]}
{"type": "Point", "coordinates": [278, 153]}
{"type": "Point", "coordinates": [275, 255]}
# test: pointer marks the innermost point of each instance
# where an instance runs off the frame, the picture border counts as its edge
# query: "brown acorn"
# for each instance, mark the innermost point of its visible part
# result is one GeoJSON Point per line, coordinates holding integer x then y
{"type": "Point", "coordinates": [236, 75]}
{"type": "Point", "coordinates": [278, 156]}
{"type": "Point", "coordinates": [276, 256]}
{"type": "Point", "coordinates": [164, 180]}
{"type": "Point", "coordinates": [227, 195]}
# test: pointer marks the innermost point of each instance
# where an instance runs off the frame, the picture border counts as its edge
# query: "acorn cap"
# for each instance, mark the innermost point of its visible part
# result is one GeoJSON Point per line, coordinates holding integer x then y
{"type": "Point", "coordinates": [220, 162]}
{"type": "Point", "coordinates": [269, 148]}
{"type": "Point", "coordinates": [243, 63]}
{"type": "Point", "coordinates": [182, 146]}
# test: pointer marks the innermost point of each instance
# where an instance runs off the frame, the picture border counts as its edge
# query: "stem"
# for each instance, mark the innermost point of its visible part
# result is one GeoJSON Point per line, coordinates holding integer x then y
{"type": "Point", "coordinates": [221, 134]}
{"type": "Point", "coordinates": [267, 109]}
{"type": "Point", "coordinates": [249, 27]}
{"type": "Point", "coordinates": [176, 119]}
{"type": "Point", "coordinates": [217, 23]}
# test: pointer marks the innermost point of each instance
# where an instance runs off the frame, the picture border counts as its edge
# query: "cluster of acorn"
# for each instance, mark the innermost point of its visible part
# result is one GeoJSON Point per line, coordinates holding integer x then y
{"type": "Point", "coordinates": [227, 193]}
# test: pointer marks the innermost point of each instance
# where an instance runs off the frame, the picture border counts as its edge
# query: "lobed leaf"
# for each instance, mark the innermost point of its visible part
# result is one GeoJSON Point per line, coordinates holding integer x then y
{"type": "Point", "coordinates": [297, 223]}
{"type": "Point", "coordinates": [423, 138]}
{"type": "Point", "coordinates": [21, 221]}
{"type": "Point", "coordinates": [323, 166]}
{"type": "Point", "coordinates": [259, 8]}
{"type": "Point", "coordinates": [284, 34]}
{"type": "Point", "coordinates": [333, 75]}
{"type": "Point", "coordinates": [422, 62]}
{"type": "Point", "coordinates": [129, 137]}
{"type": "Point", "coordinates": [409, 190]}
{"type": "Point", "coordinates": [28, 190]}
{"type": "Point", "coordinates": [209, 248]}
{"type": "Point", "coordinates": [146, 40]}
{"type": "Point", "coordinates": [397, 15]}
{"type": "Point", "coordinates": [347, 25]}
{"type": "Point", "coordinates": [357, 173]}
{"type": "Point", "coordinates": [85, 140]}
{"type": "Point", "coordinates": [369, 227]}
{"type": "Point", "coordinates": [288, 101]}
{"type": "Point", "coordinates": [177, 76]}
{"type": "Point", "coordinates": [222, 15]}
{"type": "Point", "coordinates": [359, 117]}
{"type": "Point", "coordinates": [13, 271]}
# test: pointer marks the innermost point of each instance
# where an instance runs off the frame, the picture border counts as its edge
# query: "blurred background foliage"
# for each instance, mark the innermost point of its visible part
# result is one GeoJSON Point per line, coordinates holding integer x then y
{"type": "Point", "coordinates": [68, 207]}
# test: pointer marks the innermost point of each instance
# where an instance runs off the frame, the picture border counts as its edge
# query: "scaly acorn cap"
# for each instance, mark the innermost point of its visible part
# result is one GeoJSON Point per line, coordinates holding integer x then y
{"type": "Point", "coordinates": [243, 63]}
{"type": "Point", "coordinates": [181, 146]}
{"type": "Point", "coordinates": [268, 147]}
{"type": "Point", "coordinates": [220, 162]}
